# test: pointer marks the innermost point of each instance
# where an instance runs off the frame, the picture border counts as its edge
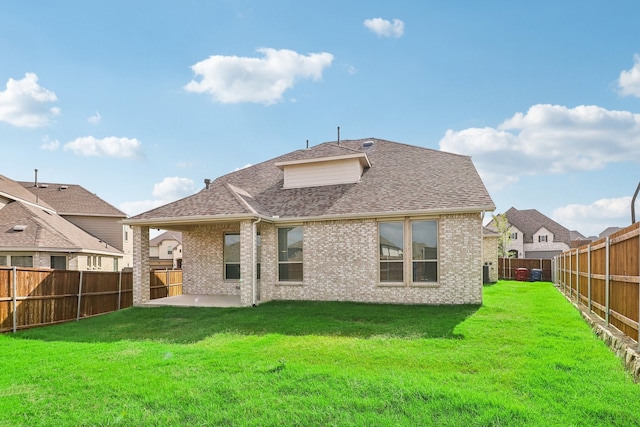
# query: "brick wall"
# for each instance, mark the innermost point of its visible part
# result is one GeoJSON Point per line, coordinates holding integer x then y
{"type": "Point", "coordinates": [490, 255]}
{"type": "Point", "coordinates": [340, 264]}
{"type": "Point", "coordinates": [202, 261]}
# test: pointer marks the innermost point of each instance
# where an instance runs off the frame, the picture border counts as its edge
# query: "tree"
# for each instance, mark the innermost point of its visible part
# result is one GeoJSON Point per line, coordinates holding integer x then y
{"type": "Point", "coordinates": [502, 226]}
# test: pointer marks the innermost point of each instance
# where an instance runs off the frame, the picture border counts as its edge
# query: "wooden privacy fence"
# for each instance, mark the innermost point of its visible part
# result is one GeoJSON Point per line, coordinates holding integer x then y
{"type": "Point", "coordinates": [604, 277]}
{"type": "Point", "coordinates": [507, 267]}
{"type": "Point", "coordinates": [33, 297]}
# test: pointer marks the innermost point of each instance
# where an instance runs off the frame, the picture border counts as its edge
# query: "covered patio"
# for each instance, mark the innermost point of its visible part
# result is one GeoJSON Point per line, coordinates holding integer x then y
{"type": "Point", "coordinates": [195, 301]}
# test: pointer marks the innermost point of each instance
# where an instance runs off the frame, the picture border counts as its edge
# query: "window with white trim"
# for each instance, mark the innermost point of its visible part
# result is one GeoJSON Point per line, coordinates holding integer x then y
{"type": "Point", "coordinates": [543, 238]}
{"type": "Point", "coordinates": [421, 257]}
{"type": "Point", "coordinates": [424, 251]}
{"type": "Point", "coordinates": [231, 256]}
{"type": "Point", "coordinates": [391, 244]}
{"type": "Point", "coordinates": [290, 254]}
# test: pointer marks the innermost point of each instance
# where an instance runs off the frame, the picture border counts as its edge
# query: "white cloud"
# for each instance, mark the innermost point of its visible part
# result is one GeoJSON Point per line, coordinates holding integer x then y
{"type": "Point", "coordinates": [112, 146]}
{"type": "Point", "coordinates": [49, 144]}
{"type": "Point", "coordinates": [168, 190]}
{"type": "Point", "coordinates": [385, 28]}
{"type": "Point", "coordinates": [233, 79]}
{"type": "Point", "coordinates": [24, 103]}
{"type": "Point", "coordinates": [629, 81]}
{"type": "Point", "coordinates": [173, 188]}
{"type": "Point", "coordinates": [95, 119]}
{"type": "Point", "coordinates": [594, 218]}
{"type": "Point", "coordinates": [548, 139]}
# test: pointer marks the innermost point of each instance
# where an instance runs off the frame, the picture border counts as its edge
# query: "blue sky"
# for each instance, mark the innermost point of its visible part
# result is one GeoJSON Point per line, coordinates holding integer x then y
{"type": "Point", "coordinates": [140, 101]}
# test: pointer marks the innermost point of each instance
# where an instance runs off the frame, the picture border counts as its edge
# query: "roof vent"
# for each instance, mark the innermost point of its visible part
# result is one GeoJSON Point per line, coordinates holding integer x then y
{"type": "Point", "coordinates": [63, 187]}
{"type": "Point", "coordinates": [19, 227]}
{"type": "Point", "coordinates": [367, 144]}
{"type": "Point", "coordinates": [43, 185]}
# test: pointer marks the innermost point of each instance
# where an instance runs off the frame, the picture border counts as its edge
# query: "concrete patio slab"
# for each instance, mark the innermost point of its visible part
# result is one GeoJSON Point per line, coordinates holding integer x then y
{"type": "Point", "coordinates": [195, 301]}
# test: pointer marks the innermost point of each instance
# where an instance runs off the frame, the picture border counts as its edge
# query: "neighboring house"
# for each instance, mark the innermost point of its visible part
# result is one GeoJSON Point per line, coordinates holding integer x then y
{"type": "Point", "coordinates": [608, 232]}
{"type": "Point", "coordinates": [534, 235]}
{"type": "Point", "coordinates": [34, 234]}
{"type": "Point", "coordinates": [165, 250]}
{"type": "Point", "coordinates": [360, 220]}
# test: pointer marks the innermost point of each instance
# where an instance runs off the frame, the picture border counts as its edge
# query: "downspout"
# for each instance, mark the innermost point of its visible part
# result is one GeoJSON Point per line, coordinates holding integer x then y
{"type": "Point", "coordinates": [254, 244]}
{"type": "Point", "coordinates": [482, 253]}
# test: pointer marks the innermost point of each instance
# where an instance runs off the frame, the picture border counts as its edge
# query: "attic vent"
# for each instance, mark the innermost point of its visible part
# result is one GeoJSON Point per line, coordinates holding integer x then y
{"type": "Point", "coordinates": [367, 144]}
{"type": "Point", "coordinates": [19, 227]}
{"type": "Point", "coordinates": [63, 187]}
{"type": "Point", "coordinates": [43, 185]}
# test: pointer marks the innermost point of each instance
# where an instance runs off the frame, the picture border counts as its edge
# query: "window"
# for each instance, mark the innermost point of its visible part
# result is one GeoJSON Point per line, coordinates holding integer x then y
{"type": "Point", "coordinates": [290, 254]}
{"type": "Point", "coordinates": [514, 236]}
{"type": "Point", "coordinates": [391, 242]}
{"type": "Point", "coordinates": [231, 256]}
{"type": "Point", "coordinates": [424, 248]}
{"type": "Point", "coordinates": [94, 262]}
{"type": "Point", "coordinates": [169, 250]}
{"type": "Point", "coordinates": [58, 262]}
{"type": "Point", "coordinates": [3, 260]}
{"type": "Point", "coordinates": [22, 261]}
{"type": "Point", "coordinates": [543, 238]}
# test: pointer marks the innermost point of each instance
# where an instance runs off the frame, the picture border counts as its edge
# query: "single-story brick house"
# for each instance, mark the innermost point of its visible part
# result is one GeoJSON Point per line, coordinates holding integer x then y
{"type": "Point", "coordinates": [358, 220]}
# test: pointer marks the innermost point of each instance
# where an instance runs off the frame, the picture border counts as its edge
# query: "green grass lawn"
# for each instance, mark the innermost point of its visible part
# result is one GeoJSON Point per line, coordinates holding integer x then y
{"type": "Point", "coordinates": [525, 357]}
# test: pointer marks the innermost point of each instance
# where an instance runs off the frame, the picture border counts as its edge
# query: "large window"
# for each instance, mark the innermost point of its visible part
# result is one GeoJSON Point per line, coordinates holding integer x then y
{"type": "Point", "coordinates": [3, 260]}
{"type": "Point", "coordinates": [231, 256]}
{"type": "Point", "coordinates": [22, 261]}
{"type": "Point", "coordinates": [424, 248]}
{"type": "Point", "coordinates": [58, 262]}
{"type": "Point", "coordinates": [391, 242]}
{"type": "Point", "coordinates": [423, 256]}
{"type": "Point", "coordinates": [290, 254]}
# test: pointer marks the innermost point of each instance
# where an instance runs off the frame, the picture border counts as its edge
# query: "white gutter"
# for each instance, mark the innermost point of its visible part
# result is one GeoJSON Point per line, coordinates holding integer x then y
{"type": "Point", "coordinates": [254, 258]}
{"type": "Point", "coordinates": [201, 219]}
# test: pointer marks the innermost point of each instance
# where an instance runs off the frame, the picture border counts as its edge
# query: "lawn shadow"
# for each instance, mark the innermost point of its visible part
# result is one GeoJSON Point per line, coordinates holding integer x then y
{"type": "Point", "coordinates": [191, 324]}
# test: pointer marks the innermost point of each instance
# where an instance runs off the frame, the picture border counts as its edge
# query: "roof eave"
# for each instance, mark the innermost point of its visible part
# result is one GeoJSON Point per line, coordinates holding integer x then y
{"type": "Point", "coordinates": [203, 219]}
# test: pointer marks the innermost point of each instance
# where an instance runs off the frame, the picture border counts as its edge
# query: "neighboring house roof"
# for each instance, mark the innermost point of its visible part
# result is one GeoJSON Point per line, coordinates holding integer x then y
{"type": "Point", "coordinates": [12, 190]}
{"type": "Point", "coordinates": [486, 231]}
{"type": "Point", "coordinates": [402, 179]}
{"type": "Point", "coordinates": [167, 235]}
{"type": "Point", "coordinates": [608, 232]}
{"type": "Point", "coordinates": [529, 221]}
{"type": "Point", "coordinates": [43, 230]}
{"type": "Point", "coordinates": [72, 199]}
{"type": "Point", "coordinates": [576, 235]}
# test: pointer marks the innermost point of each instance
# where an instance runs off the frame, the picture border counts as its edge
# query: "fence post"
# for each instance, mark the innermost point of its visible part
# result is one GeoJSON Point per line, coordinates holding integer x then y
{"type": "Point", "coordinates": [589, 276]}
{"type": "Point", "coordinates": [119, 288]}
{"type": "Point", "coordinates": [578, 276]}
{"type": "Point", "coordinates": [607, 282]}
{"type": "Point", "coordinates": [570, 275]}
{"type": "Point", "coordinates": [168, 280]}
{"type": "Point", "coordinates": [79, 296]}
{"type": "Point", "coordinates": [15, 299]}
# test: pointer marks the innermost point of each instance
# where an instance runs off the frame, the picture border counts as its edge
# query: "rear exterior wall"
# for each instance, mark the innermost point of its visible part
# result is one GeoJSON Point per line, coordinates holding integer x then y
{"type": "Point", "coordinates": [341, 264]}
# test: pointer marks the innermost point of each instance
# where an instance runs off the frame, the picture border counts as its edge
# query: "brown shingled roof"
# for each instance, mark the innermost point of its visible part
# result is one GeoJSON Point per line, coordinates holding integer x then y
{"type": "Point", "coordinates": [402, 178]}
{"type": "Point", "coordinates": [72, 199]}
{"type": "Point", "coordinates": [44, 230]}
{"type": "Point", "coordinates": [529, 221]}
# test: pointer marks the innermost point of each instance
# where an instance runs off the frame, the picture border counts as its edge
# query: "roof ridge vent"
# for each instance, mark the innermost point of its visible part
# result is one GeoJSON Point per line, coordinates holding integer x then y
{"type": "Point", "coordinates": [63, 187]}
{"type": "Point", "coordinates": [367, 144]}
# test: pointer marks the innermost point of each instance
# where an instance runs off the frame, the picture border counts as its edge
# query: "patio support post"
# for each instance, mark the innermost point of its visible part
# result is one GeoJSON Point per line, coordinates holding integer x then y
{"type": "Point", "coordinates": [141, 276]}
{"type": "Point", "coordinates": [246, 262]}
